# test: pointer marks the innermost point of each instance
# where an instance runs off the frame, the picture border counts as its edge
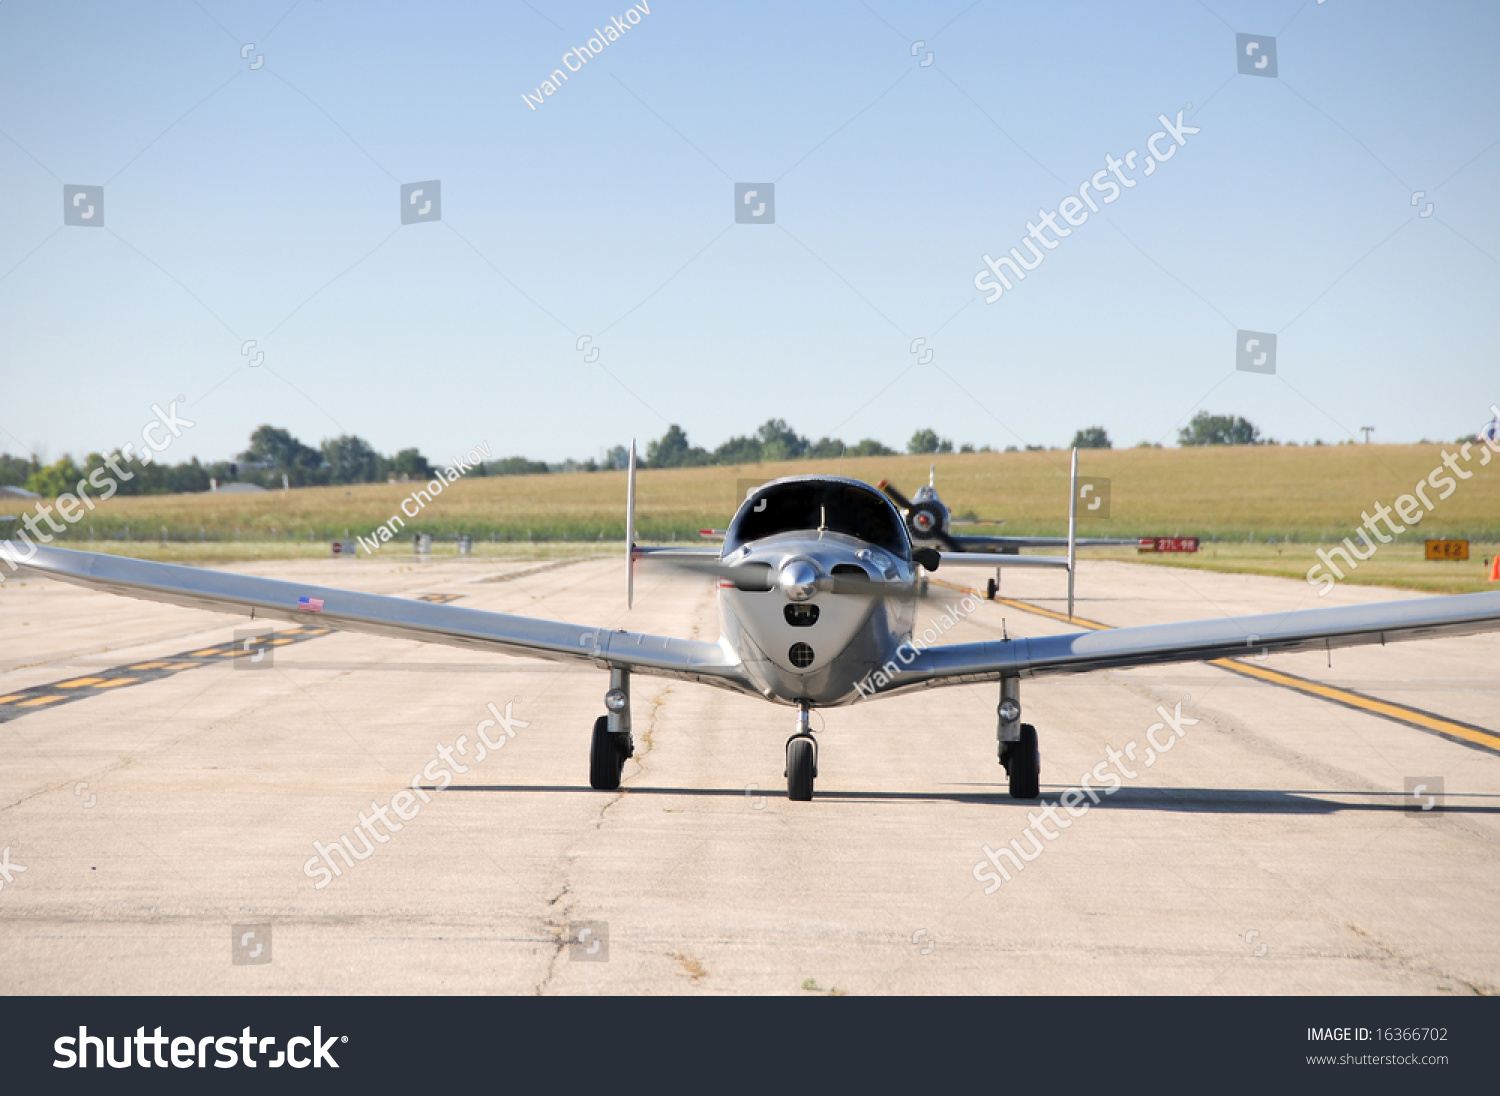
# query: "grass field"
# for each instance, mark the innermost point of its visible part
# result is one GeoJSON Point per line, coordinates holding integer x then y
{"type": "Point", "coordinates": [1297, 495]}
{"type": "Point", "coordinates": [1397, 565]}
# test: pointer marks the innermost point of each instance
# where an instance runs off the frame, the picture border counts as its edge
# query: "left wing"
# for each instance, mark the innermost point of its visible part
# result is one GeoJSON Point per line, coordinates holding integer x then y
{"type": "Point", "coordinates": [1200, 640]}
{"type": "Point", "coordinates": [452, 625]}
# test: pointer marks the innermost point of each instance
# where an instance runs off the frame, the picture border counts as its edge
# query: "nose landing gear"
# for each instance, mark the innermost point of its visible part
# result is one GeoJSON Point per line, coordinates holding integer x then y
{"type": "Point", "coordinates": [801, 758]}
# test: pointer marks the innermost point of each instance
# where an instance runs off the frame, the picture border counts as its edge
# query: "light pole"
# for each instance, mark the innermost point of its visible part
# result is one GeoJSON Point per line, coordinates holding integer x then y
{"type": "Point", "coordinates": [1368, 431]}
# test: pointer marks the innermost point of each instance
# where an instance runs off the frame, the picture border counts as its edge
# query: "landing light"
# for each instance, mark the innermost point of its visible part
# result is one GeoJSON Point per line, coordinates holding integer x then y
{"type": "Point", "coordinates": [616, 700]}
{"type": "Point", "coordinates": [1010, 710]}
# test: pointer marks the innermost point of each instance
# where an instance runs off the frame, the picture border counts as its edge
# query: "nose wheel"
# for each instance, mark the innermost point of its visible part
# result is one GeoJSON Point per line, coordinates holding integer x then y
{"type": "Point", "coordinates": [801, 760]}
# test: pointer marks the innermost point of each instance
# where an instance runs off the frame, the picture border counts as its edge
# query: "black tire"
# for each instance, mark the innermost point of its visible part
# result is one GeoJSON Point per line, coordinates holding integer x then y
{"type": "Point", "coordinates": [605, 758]}
{"type": "Point", "coordinates": [991, 588]}
{"type": "Point", "coordinates": [799, 769]}
{"type": "Point", "coordinates": [1025, 766]}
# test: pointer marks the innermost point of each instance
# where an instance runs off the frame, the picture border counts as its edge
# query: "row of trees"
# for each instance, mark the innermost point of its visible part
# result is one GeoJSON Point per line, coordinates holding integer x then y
{"type": "Point", "coordinates": [273, 453]}
{"type": "Point", "coordinates": [275, 456]}
{"type": "Point", "coordinates": [1203, 429]}
{"type": "Point", "coordinates": [776, 441]}
{"type": "Point", "coordinates": [348, 458]}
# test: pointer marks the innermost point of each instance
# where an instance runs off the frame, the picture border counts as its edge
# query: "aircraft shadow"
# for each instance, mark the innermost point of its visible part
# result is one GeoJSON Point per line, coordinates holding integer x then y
{"type": "Point", "coordinates": [1175, 800]}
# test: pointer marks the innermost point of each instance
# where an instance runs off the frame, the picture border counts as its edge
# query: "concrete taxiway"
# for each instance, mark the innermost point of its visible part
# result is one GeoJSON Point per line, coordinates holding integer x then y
{"type": "Point", "coordinates": [1271, 850]}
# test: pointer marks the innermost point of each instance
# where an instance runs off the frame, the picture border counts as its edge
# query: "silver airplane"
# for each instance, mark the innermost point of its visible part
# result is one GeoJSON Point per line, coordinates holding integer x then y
{"type": "Point", "coordinates": [818, 593]}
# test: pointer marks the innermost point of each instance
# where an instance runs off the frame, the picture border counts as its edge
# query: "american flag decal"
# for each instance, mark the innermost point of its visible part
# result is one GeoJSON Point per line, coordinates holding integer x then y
{"type": "Point", "coordinates": [310, 604]}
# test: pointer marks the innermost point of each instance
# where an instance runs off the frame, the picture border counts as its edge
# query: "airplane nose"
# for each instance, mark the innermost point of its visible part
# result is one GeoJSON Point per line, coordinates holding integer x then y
{"type": "Point", "coordinates": [798, 580]}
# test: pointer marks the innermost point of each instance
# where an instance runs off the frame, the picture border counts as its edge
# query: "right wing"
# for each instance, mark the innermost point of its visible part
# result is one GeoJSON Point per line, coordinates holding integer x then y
{"type": "Point", "coordinates": [451, 625]}
{"type": "Point", "coordinates": [1198, 640]}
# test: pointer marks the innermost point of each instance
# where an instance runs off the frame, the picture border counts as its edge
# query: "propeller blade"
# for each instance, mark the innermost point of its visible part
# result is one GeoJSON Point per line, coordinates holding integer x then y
{"type": "Point", "coordinates": [894, 495]}
{"type": "Point", "coordinates": [945, 540]}
{"type": "Point", "coordinates": [929, 590]}
{"type": "Point", "coordinates": [630, 531]}
{"type": "Point", "coordinates": [759, 578]}
{"type": "Point", "coordinates": [751, 577]}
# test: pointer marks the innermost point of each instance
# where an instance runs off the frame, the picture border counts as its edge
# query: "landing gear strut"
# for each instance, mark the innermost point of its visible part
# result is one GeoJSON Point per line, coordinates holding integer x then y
{"type": "Point", "coordinates": [612, 742]}
{"type": "Point", "coordinates": [1019, 751]}
{"type": "Point", "coordinates": [801, 758]}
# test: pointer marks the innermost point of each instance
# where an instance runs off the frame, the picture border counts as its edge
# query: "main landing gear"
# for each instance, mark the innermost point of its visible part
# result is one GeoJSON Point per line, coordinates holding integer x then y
{"type": "Point", "coordinates": [801, 758]}
{"type": "Point", "coordinates": [1019, 752]}
{"type": "Point", "coordinates": [612, 742]}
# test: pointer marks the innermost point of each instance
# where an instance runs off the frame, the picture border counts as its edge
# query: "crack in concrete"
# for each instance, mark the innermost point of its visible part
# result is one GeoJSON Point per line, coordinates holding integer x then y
{"type": "Point", "coordinates": [1389, 954]}
{"type": "Point", "coordinates": [657, 702]}
{"type": "Point", "coordinates": [558, 942]}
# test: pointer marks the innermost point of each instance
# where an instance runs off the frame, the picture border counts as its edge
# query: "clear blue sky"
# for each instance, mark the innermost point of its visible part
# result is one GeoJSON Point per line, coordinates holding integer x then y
{"type": "Point", "coordinates": [263, 203]}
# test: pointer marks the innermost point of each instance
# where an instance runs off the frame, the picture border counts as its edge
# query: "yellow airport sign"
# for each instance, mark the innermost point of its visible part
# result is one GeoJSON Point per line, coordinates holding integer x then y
{"type": "Point", "coordinates": [1448, 549]}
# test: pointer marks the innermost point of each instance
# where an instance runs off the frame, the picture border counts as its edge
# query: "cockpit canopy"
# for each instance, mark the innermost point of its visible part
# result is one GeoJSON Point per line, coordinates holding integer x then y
{"type": "Point", "coordinates": [806, 505]}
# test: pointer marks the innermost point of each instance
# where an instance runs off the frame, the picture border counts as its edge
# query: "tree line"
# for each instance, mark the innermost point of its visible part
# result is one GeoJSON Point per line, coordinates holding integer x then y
{"type": "Point", "coordinates": [275, 457]}
{"type": "Point", "coordinates": [776, 441]}
{"type": "Point", "coordinates": [273, 453]}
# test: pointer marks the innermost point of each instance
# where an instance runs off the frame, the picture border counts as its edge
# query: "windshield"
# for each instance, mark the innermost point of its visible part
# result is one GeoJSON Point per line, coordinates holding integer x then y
{"type": "Point", "coordinates": [837, 506]}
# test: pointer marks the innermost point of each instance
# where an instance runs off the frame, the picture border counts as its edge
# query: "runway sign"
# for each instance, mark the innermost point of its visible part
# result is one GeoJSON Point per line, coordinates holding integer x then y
{"type": "Point", "coordinates": [1168, 544]}
{"type": "Point", "coordinates": [1448, 549]}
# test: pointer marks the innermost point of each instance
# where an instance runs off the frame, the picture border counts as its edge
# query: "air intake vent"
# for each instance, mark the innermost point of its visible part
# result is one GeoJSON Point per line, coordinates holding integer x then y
{"type": "Point", "coordinates": [801, 655]}
{"type": "Point", "coordinates": [800, 615]}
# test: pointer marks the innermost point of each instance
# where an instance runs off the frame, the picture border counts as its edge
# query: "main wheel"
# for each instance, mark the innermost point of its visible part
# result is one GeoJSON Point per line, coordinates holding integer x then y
{"type": "Point", "coordinates": [1025, 766]}
{"type": "Point", "coordinates": [991, 588]}
{"type": "Point", "coordinates": [606, 760]}
{"type": "Point", "coordinates": [799, 769]}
